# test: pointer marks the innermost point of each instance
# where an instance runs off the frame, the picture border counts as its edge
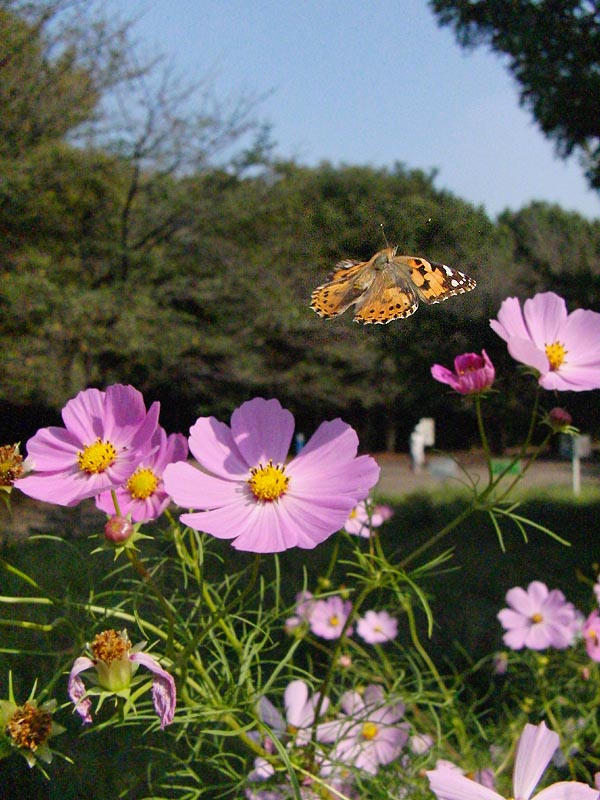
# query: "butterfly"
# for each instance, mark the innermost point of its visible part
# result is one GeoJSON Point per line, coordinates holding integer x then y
{"type": "Point", "coordinates": [387, 287]}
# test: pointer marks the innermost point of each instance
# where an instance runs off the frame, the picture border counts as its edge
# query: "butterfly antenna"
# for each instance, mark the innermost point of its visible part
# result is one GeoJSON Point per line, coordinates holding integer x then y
{"type": "Point", "coordinates": [387, 244]}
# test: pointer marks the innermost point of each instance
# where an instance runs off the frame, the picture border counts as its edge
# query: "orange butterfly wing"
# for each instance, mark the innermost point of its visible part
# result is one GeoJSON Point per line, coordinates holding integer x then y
{"type": "Point", "coordinates": [386, 300]}
{"type": "Point", "coordinates": [347, 285]}
{"type": "Point", "coordinates": [435, 282]}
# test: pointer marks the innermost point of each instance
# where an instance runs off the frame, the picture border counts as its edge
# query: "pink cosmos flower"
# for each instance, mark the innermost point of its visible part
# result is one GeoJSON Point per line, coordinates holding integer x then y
{"type": "Point", "coordinates": [377, 626]}
{"type": "Point", "coordinates": [369, 734]}
{"type": "Point", "coordinates": [97, 450]}
{"type": "Point", "coordinates": [564, 348]}
{"type": "Point", "coordinates": [299, 712]}
{"type": "Point", "coordinates": [538, 618]}
{"type": "Point", "coordinates": [364, 517]}
{"type": "Point", "coordinates": [143, 495]}
{"type": "Point", "coordinates": [473, 373]}
{"type": "Point", "coordinates": [249, 494]}
{"type": "Point", "coordinates": [116, 662]}
{"type": "Point", "coordinates": [591, 635]}
{"type": "Point", "coordinates": [328, 617]}
{"type": "Point", "coordinates": [535, 748]}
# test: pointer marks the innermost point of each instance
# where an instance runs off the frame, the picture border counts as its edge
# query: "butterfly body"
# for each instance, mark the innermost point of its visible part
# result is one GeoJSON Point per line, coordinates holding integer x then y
{"type": "Point", "coordinates": [387, 287]}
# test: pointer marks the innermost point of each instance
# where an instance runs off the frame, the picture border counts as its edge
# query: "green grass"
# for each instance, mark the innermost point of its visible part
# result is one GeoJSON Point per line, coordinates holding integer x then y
{"type": "Point", "coordinates": [465, 596]}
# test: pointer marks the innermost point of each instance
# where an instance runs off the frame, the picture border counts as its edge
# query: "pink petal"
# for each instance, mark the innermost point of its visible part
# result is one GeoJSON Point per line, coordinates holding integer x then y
{"type": "Point", "coordinates": [311, 477]}
{"type": "Point", "coordinates": [526, 352]}
{"type": "Point", "coordinates": [568, 790]}
{"type": "Point", "coordinates": [164, 694]}
{"type": "Point", "coordinates": [263, 431]}
{"type": "Point", "coordinates": [535, 749]}
{"type": "Point", "coordinates": [191, 488]}
{"type": "Point", "coordinates": [444, 375]}
{"type": "Point", "coordinates": [544, 314]}
{"type": "Point", "coordinates": [295, 699]}
{"type": "Point", "coordinates": [449, 784]}
{"type": "Point", "coordinates": [76, 688]}
{"type": "Point", "coordinates": [333, 442]}
{"type": "Point", "coordinates": [54, 449]}
{"type": "Point", "coordinates": [84, 415]}
{"type": "Point", "coordinates": [510, 320]}
{"type": "Point", "coordinates": [213, 447]}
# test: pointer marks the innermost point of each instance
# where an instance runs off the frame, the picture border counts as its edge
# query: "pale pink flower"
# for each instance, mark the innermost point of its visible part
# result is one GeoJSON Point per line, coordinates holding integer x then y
{"type": "Point", "coordinates": [369, 734]}
{"type": "Point", "coordinates": [104, 436]}
{"type": "Point", "coordinates": [115, 663]}
{"type": "Point", "coordinates": [300, 710]}
{"type": "Point", "coordinates": [304, 604]}
{"type": "Point", "coordinates": [591, 635]}
{"type": "Point", "coordinates": [142, 496]}
{"type": "Point", "coordinates": [472, 373]}
{"type": "Point", "coordinates": [538, 618]}
{"type": "Point", "coordinates": [247, 491]}
{"type": "Point", "coordinates": [564, 348]}
{"type": "Point", "coordinates": [328, 617]}
{"type": "Point", "coordinates": [535, 748]}
{"type": "Point", "coordinates": [364, 517]}
{"type": "Point", "coordinates": [377, 627]}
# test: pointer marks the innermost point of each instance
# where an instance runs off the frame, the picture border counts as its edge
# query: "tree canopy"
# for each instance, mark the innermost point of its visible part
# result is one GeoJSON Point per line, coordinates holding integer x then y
{"type": "Point", "coordinates": [144, 260]}
{"type": "Point", "coordinates": [553, 49]}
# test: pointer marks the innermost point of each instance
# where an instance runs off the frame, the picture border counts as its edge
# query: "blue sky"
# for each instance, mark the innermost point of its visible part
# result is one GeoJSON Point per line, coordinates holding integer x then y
{"type": "Point", "coordinates": [368, 82]}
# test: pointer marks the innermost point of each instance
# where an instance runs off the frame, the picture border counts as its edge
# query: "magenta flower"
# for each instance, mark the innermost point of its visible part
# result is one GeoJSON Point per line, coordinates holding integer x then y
{"type": "Point", "coordinates": [563, 348]}
{"type": "Point", "coordinates": [376, 627]}
{"type": "Point", "coordinates": [328, 617]}
{"type": "Point", "coordinates": [538, 618]}
{"type": "Point", "coordinates": [97, 450]}
{"type": "Point", "coordinates": [304, 604]}
{"type": "Point", "coordinates": [369, 735]}
{"type": "Point", "coordinates": [115, 662]}
{"type": "Point", "coordinates": [249, 494]}
{"type": "Point", "coordinates": [143, 495]}
{"type": "Point", "coordinates": [591, 635]}
{"type": "Point", "coordinates": [473, 373]}
{"type": "Point", "coordinates": [535, 748]}
{"type": "Point", "coordinates": [364, 517]}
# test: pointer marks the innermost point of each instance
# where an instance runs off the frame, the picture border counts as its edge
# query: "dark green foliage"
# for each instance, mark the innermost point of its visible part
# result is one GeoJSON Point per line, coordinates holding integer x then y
{"type": "Point", "coordinates": [553, 48]}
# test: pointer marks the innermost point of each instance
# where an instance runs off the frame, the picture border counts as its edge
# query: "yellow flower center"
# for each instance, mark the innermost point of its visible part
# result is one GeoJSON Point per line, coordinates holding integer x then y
{"type": "Point", "coordinates": [142, 484]}
{"type": "Point", "coordinates": [29, 727]}
{"type": "Point", "coordinates": [591, 634]}
{"type": "Point", "coordinates": [334, 621]}
{"type": "Point", "coordinates": [369, 730]}
{"type": "Point", "coordinates": [110, 646]}
{"type": "Point", "coordinates": [353, 514]}
{"type": "Point", "coordinates": [535, 618]}
{"type": "Point", "coordinates": [268, 483]}
{"type": "Point", "coordinates": [556, 354]}
{"type": "Point", "coordinates": [97, 457]}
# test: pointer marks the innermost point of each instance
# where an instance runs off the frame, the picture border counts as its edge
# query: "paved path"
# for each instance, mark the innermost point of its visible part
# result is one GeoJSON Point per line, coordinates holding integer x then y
{"type": "Point", "coordinates": [398, 477]}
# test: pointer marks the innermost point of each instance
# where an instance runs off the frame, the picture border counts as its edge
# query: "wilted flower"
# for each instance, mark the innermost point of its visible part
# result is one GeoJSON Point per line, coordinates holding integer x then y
{"type": "Point", "coordinates": [328, 617]}
{"type": "Point", "coordinates": [538, 618]}
{"type": "Point", "coordinates": [249, 493]}
{"type": "Point", "coordinates": [27, 728]}
{"type": "Point", "coordinates": [115, 663]}
{"type": "Point", "coordinates": [473, 373]}
{"type": "Point", "coordinates": [535, 748]}
{"type": "Point", "coordinates": [369, 734]}
{"type": "Point", "coordinates": [12, 466]}
{"type": "Point", "coordinates": [591, 635]}
{"type": "Point", "coordinates": [365, 516]}
{"type": "Point", "coordinates": [97, 449]}
{"type": "Point", "coordinates": [564, 348]}
{"type": "Point", "coordinates": [143, 495]}
{"type": "Point", "coordinates": [377, 627]}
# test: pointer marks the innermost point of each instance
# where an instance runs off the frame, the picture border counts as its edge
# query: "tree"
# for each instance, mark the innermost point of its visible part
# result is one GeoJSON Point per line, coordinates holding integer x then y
{"type": "Point", "coordinates": [554, 53]}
